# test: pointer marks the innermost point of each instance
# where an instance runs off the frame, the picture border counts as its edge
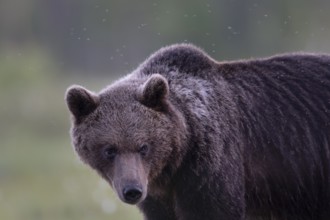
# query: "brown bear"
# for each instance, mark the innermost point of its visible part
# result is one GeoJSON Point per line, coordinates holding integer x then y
{"type": "Point", "coordinates": [188, 138]}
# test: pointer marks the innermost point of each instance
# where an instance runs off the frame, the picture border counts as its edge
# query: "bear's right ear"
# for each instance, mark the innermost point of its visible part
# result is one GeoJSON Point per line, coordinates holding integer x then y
{"type": "Point", "coordinates": [81, 102]}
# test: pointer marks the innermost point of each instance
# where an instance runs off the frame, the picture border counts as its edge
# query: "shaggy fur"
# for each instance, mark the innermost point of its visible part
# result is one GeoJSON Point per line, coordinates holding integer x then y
{"type": "Point", "coordinates": [210, 140]}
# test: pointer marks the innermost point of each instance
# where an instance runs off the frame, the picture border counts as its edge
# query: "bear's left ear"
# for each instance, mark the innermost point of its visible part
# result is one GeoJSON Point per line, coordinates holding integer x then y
{"type": "Point", "coordinates": [155, 92]}
{"type": "Point", "coordinates": [81, 102]}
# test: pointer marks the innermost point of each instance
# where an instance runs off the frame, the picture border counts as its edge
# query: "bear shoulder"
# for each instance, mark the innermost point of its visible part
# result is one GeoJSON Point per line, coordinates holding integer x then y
{"type": "Point", "coordinates": [183, 58]}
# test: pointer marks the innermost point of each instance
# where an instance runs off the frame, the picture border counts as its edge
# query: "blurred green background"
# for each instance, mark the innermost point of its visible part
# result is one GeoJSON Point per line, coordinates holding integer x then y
{"type": "Point", "coordinates": [47, 45]}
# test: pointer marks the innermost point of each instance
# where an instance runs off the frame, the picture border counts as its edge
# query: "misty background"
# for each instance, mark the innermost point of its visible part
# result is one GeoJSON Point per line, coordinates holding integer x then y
{"type": "Point", "coordinates": [47, 45]}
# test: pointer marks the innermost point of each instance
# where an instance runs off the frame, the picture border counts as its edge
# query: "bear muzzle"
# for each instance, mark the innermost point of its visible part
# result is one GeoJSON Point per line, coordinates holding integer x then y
{"type": "Point", "coordinates": [130, 179]}
{"type": "Point", "coordinates": [132, 194]}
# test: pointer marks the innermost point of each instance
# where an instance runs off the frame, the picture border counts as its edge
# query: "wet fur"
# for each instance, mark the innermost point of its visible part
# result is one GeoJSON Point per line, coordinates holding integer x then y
{"type": "Point", "coordinates": [266, 121]}
{"type": "Point", "coordinates": [253, 137]}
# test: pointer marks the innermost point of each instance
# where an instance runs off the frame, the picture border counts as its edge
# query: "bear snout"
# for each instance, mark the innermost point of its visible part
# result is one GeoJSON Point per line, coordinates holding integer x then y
{"type": "Point", "coordinates": [132, 194]}
{"type": "Point", "coordinates": [129, 178]}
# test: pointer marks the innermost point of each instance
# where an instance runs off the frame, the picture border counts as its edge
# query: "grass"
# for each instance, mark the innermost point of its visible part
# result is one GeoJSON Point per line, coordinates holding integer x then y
{"type": "Point", "coordinates": [40, 175]}
{"type": "Point", "coordinates": [43, 179]}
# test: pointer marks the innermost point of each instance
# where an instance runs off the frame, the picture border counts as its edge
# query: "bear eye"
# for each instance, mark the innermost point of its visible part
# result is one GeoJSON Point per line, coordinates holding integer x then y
{"type": "Point", "coordinates": [110, 153]}
{"type": "Point", "coordinates": [144, 149]}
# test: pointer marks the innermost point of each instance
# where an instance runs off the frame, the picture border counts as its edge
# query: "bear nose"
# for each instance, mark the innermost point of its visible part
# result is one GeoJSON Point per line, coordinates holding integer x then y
{"type": "Point", "coordinates": [132, 194]}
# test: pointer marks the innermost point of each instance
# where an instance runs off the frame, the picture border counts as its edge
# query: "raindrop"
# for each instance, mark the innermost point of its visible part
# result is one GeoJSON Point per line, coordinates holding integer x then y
{"type": "Point", "coordinates": [229, 27]}
{"type": "Point", "coordinates": [106, 10]}
{"type": "Point", "coordinates": [142, 25]}
{"type": "Point", "coordinates": [88, 39]}
{"type": "Point", "coordinates": [84, 29]}
{"type": "Point", "coordinates": [104, 20]}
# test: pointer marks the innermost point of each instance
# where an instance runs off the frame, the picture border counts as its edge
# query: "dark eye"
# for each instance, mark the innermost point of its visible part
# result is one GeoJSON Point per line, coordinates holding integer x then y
{"type": "Point", "coordinates": [144, 150]}
{"type": "Point", "coordinates": [110, 153]}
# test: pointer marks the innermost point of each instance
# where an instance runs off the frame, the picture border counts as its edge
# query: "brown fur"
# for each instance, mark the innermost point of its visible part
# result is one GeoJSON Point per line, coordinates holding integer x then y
{"type": "Point", "coordinates": [207, 140]}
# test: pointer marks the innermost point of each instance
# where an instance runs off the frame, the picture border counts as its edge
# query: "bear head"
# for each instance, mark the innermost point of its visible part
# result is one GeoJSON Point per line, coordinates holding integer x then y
{"type": "Point", "coordinates": [130, 133]}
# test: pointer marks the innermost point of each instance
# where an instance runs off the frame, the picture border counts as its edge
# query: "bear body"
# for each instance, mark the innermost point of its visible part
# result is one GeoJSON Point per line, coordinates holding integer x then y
{"type": "Point", "coordinates": [188, 138]}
